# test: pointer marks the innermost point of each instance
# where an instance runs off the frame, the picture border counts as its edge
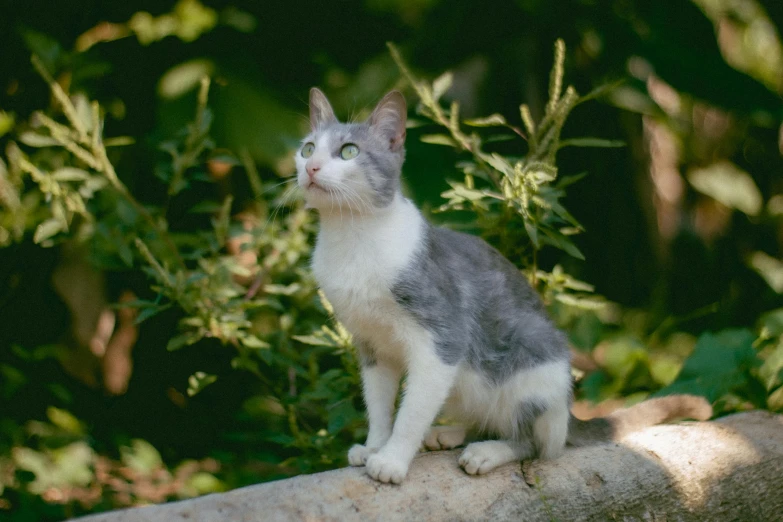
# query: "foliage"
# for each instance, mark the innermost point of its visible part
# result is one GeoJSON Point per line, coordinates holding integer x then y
{"type": "Point", "coordinates": [513, 189]}
{"type": "Point", "coordinates": [160, 159]}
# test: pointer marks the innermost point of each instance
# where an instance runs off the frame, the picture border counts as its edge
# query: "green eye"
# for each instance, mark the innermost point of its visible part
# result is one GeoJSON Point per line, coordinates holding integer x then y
{"type": "Point", "coordinates": [349, 151]}
{"type": "Point", "coordinates": [308, 149]}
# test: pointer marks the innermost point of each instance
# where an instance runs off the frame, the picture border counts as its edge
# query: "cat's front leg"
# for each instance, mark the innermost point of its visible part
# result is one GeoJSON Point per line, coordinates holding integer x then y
{"type": "Point", "coordinates": [380, 382]}
{"type": "Point", "coordinates": [428, 383]}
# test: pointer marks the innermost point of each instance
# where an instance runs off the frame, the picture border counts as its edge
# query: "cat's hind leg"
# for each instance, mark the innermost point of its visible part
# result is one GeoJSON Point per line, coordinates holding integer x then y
{"type": "Point", "coordinates": [518, 443]}
{"type": "Point", "coordinates": [550, 430]}
{"type": "Point", "coordinates": [445, 437]}
{"type": "Point", "coordinates": [482, 457]}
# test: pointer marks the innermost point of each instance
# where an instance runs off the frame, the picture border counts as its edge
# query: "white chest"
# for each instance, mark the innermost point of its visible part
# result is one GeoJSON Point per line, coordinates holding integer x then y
{"type": "Point", "coordinates": [356, 263]}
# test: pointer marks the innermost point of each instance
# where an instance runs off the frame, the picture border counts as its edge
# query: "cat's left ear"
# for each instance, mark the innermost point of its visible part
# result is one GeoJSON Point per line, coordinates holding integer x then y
{"type": "Point", "coordinates": [321, 111]}
{"type": "Point", "coordinates": [388, 119]}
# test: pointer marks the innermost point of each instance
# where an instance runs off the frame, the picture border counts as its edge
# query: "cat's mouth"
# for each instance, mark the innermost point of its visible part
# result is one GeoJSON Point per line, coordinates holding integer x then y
{"type": "Point", "coordinates": [315, 186]}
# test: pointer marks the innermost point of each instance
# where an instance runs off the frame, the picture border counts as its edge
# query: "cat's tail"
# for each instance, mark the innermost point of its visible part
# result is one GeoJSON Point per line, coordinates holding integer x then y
{"type": "Point", "coordinates": [648, 413]}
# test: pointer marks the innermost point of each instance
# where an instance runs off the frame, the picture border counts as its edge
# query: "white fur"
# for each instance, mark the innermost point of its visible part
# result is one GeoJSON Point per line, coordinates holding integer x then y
{"type": "Point", "coordinates": [494, 408]}
{"type": "Point", "coordinates": [356, 263]}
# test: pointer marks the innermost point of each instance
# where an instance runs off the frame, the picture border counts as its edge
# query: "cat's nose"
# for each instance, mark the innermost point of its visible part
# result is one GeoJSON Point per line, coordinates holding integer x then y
{"type": "Point", "coordinates": [312, 170]}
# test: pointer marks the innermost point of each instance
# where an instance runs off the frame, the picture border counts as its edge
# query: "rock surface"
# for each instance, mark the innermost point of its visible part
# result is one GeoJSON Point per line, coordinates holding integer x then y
{"type": "Point", "coordinates": [729, 469]}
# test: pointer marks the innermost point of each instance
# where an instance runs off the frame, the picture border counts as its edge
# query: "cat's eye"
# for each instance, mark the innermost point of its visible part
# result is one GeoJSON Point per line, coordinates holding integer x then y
{"type": "Point", "coordinates": [349, 151]}
{"type": "Point", "coordinates": [308, 149]}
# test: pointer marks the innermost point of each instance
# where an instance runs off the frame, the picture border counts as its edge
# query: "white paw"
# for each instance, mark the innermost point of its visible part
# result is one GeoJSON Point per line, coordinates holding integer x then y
{"type": "Point", "coordinates": [385, 468]}
{"type": "Point", "coordinates": [482, 457]}
{"type": "Point", "coordinates": [358, 454]}
{"type": "Point", "coordinates": [444, 437]}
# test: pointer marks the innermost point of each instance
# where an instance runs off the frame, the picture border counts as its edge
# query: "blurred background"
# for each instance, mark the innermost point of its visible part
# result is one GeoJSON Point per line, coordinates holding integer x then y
{"type": "Point", "coordinates": [160, 335]}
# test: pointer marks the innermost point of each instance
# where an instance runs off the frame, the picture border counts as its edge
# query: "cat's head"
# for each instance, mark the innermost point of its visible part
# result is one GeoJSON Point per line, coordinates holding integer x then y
{"type": "Point", "coordinates": [356, 166]}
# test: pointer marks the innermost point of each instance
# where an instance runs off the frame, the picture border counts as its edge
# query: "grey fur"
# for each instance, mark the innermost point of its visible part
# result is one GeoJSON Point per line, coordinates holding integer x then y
{"type": "Point", "coordinates": [478, 305]}
{"type": "Point", "coordinates": [380, 166]}
{"type": "Point", "coordinates": [366, 352]}
{"type": "Point", "coordinates": [527, 414]}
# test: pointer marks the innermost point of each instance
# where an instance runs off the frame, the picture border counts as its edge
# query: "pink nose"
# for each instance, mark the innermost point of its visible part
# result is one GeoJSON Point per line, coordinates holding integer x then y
{"type": "Point", "coordinates": [311, 171]}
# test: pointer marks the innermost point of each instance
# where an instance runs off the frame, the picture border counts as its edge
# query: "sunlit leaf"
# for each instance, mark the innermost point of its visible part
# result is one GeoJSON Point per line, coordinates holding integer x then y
{"type": "Point", "coordinates": [769, 268]}
{"type": "Point", "coordinates": [47, 229]}
{"type": "Point", "coordinates": [313, 340]}
{"type": "Point", "coordinates": [251, 341]}
{"type": "Point", "coordinates": [726, 183]}
{"type": "Point", "coordinates": [33, 139]}
{"type": "Point", "coordinates": [141, 457]}
{"type": "Point", "coordinates": [493, 120]}
{"type": "Point", "coordinates": [441, 84]}
{"type": "Point", "coordinates": [65, 420]}
{"type": "Point", "coordinates": [198, 381]}
{"type": "Point", "coordinates": [70, 174]}
{"type": "Point", "coordinates": [184, 77]}
{"type": "Point", "coordinates": [438, 139]}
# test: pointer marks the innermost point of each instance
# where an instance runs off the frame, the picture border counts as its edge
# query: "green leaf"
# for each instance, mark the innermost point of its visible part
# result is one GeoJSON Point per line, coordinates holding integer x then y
{"type": "Point", "coordinates": [313, 340]}
{"type": "Point", "coordinates": [119, 141]}
{"type": "Point", "coordinates": [720, 364]}
{"type": "Point", "coordinates": [532, 233]}
{"type": "Point", "coordinates": [725, 182]}
{"type": "Point", "coordinates": [772, 323]}
{"type": "Point", "coordinates": [563, 243]}
{"type": "Point", "coordinates": [493, 120]}
{"type": "Point", "coordinates": [65, 420]}
{"type": "Point", "coordinates": [198, 381]}
{"type": "Point", "coordinates": [47, 229]}
{"type": "Point", "coordinates": [182, 340]}
{"type": "Point", "coordinates": [6, 124]}
{"type": "Point", "coordinates": [341, 415]}
{"type": "Point", "coordinates": [150, 311]}
{"type": "Point", "coordinates": [771, 371]}
{"type": "Point", "coordinates": [251, 341]}
{"type": "Point", "coordinates": [591, 142]}
{"type": "Point", "coordinates": [438, 139]}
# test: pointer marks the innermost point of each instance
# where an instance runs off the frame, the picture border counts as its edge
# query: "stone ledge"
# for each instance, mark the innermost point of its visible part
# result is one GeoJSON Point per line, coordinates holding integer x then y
{"type": "Point", "coordinates": [728, 469]}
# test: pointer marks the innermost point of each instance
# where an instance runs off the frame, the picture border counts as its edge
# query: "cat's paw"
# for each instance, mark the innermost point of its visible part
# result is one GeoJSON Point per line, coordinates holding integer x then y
{"type": "Point", "coordinates": [444, 437]}
{"type": "Point", "coordinates": [358, 454]}
{"type": "Point", "coordinates": [386, 468]}
{"type": "Point", "coordinates": [482, 457]}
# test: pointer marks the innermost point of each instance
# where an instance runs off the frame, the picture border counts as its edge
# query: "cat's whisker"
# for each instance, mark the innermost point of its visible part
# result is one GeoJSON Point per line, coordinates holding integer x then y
{"type": "Point", "coordinates": [285, 198]}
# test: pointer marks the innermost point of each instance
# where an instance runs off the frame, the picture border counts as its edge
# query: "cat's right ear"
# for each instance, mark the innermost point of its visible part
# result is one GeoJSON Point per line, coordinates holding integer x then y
{"type": "Point", "coordinates": [321, 111]}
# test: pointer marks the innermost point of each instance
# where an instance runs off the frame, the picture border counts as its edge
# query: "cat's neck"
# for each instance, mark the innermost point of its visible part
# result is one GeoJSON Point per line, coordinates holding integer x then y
{"type": "Point", "coordinates": [397, 216]}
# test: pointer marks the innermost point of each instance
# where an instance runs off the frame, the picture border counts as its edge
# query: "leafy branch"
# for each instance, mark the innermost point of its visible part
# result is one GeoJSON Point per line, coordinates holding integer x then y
{"type": "Point", "coordinates": [526, 188]}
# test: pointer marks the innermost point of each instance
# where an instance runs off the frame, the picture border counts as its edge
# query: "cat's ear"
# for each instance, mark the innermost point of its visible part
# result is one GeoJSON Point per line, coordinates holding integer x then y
{"type": "Point", "coordinates": [321, 111]}
{"type": "Point", "coordinates": [388, 119]}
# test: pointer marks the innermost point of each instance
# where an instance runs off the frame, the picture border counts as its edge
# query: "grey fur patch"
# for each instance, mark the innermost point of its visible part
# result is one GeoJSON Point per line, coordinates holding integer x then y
{"type": "Point", "coordinates": [527, 413]}
{"type": "Point", "coordinates": [366, 353]}
{"type": "Point", "coordinates": [478, 306]}
{"type": "Point", "coordinates": [378, 163]}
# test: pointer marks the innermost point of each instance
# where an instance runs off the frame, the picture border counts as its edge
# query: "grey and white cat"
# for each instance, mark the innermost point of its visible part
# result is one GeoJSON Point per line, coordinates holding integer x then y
{"type": "Point", "coordinates": [443, 308]}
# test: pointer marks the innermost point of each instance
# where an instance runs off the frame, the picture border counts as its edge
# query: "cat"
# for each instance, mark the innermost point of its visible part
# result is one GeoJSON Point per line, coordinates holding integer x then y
{"type": "Point", "coordinates": [443, 308]}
